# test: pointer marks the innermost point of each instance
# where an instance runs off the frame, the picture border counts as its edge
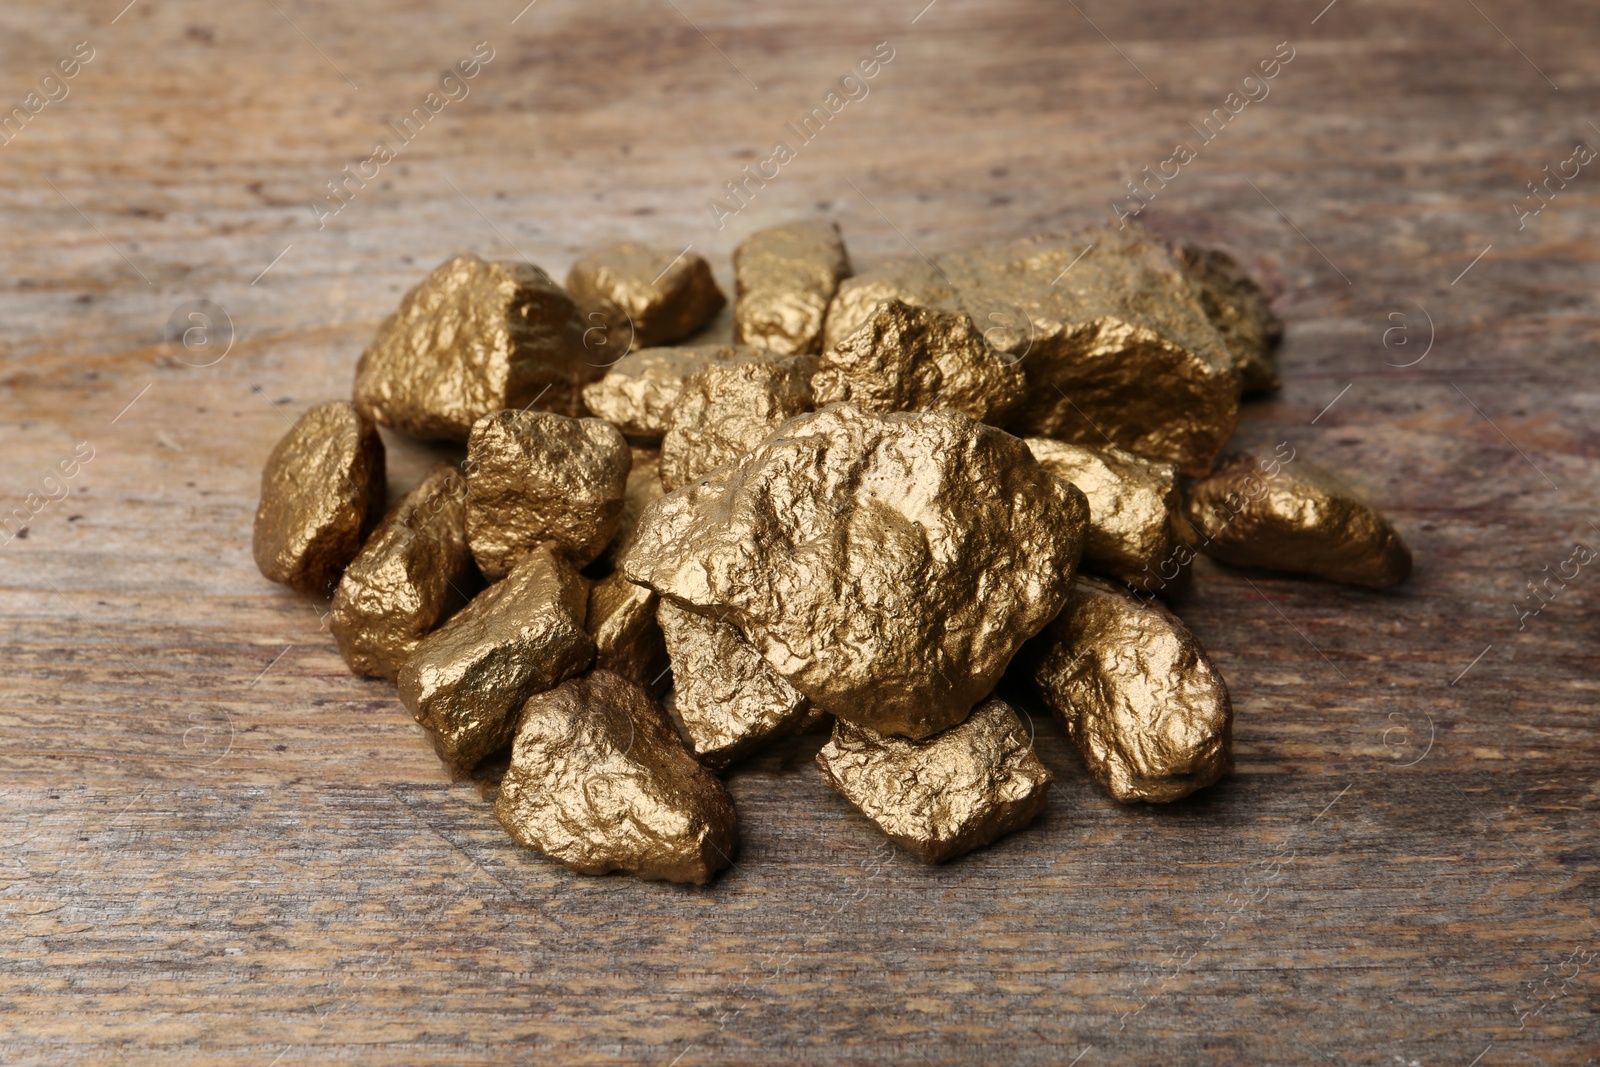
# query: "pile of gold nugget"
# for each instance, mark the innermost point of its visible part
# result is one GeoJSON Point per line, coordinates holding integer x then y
{"type": "Point", "coordinates": [666, 547]}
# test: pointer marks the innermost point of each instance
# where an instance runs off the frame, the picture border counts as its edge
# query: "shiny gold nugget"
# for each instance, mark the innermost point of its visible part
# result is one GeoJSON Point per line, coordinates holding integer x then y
{"type": "Point", "coordinates": [1107, 325]}
{"type": "Point", "coordinates": [785, 277]}
{"type": "Point", "coordinates": [523, 635]}
{"type": "Point", "coordinates": [1136, 694]}
{"type": "Point", "coordinates": [1136, 518]}
{"type": "Point", "coordinates": [911, 280]}
{"type": "Point", "coordinates": [627, 638]}
{"type": "Point", "coordinates": [413, 570]}
{"type": "Point", "coordinates": [322, 490]}
{"type": "Point", "coordinates": [949, 794]}
{"type": "Point", "coordinates": [727, 409]}
{"type": "Point", "coordinates": [644, 296]}
{"type": "Point", "coordinates": [599, 782]}
{"type": "Point", "coordinates": [729, 699]}
{"type": "Point", "coordinates": [888, 566]}
{"type": "Point", "coordinates": [1242, 314]}
{"type": "Point", "coordinates": [1301, 519]}
{"type": "Point", "coordinates": [472, 338]}
{"type": "Point", "coordinates": [535, 476]}
{"type": "Point", "coordinates": [1115, 344]}
{"type": "Point", "coordinates": [640, 390]}
{"type": "Point", "coordinates": [909, 358]}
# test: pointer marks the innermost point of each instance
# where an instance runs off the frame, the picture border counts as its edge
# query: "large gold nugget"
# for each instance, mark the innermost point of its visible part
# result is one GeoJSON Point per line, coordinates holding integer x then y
{"type": "Point", "coordinates": [729, 699]}
{"type": "Point", "coordinates": [644, 296]}
{"type": "Point", "coordinates": [322, 490]}
{"type": "Point", "coordinates": [521, 636]}
{"type": "Point", "coordinates": [599, 782]}
{"type": "Point", "coordinates": [644, 488]}
{"type": "Point", "coordinates": [888, 566]}
{"type": "Point", "coordinates": [535, 476]}
{"type": "Point", "coordinates": [909, 358]}
{"type": "Point", "coordinates": [947, 795]}
{"type": "Point", "coordinates": [1136, 521]}
{"type": "Point", "coordinates": [727, 409]}
{"type": "Point", "coordinates": [413, 569]}
{"type": "Point", "coordinates": [1297, 518]}
{"type": "Point", "coordinates": [1136, 694]}
{"type": "Point", "coordinates": [640, 390]}
{"type": "Point", "coordinates": [627, 638]}
{"type": "Point", "coordinates": [1242, 314]}
{"type": "Point", "coordinates": [473, 338]}
{"type": "Point", "coordinates": [1116, 344]}
{"type": "Point", "coordinates": [785, 277]}
{"type": "Point", "coordinates": [1107, 325]}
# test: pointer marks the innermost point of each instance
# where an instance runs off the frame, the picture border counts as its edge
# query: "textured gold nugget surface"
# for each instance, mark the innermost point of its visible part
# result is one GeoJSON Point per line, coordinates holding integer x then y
{"type": "Point", "coordinates": [321, 491]}
{"type": "Point", "coordinates": [888, 566]}
{"type": "Point", "coordinates": [599, 782]}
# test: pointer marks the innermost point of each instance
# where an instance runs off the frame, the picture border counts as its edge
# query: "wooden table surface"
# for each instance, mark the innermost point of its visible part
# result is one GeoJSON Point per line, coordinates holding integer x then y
{"type": "Point", "coordinates": [221, 848]}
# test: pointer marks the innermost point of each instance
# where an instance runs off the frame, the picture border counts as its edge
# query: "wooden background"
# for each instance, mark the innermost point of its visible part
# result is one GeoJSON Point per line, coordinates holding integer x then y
{"type": "Point", "coordinates": [221, 848]}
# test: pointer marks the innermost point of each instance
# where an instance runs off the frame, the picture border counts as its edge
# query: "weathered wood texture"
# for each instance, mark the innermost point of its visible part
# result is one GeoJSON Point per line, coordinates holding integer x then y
{"type": "Point", "coordinates": [221, 848]}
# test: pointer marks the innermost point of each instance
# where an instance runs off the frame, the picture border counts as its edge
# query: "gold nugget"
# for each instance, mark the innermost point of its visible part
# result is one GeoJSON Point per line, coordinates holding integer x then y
{"type": "Point", "coordinates": [727, 409]}
{"type": "Point", "coordinates": [473, 338]}
{"type": "Point", "coordinates": [643, 296]}
{"type": "Point", "coordinates": [627, 639]}
{"type": "Point", "coordinates": [729, 700]}
{"type": "Point", "coordinates": [413, 570]}
{"type": "Point", "coordinates": [1295, 517]}
{"type": "Point", "coordinates": [909, 358]}
{"type": "Point", "coordinates": [521, 636]}
{"type": "Point", "coordinates": [1136, 694]}
{"type": "Point", "coordinates": [1106, 324]}
{"type": "Point", "coordinates": [535, 476]}
{"type": "Point", "coordinates": [947, 795]}
{"type": "Point", "coordinates": [910, 280]}
{"type": "Point", "coordinates": [888, 566]}
{"type": "Point", "coordinates": [599, 782]}
{"type": "Point", "coordinates": [1136, 521]}
{"type": "Point", "coordinates": [1242, 314]}
{"type": "Point", "coordinates": [785, 277]}
{"type": "Point", "coordinates": [322, 490]}
{"type": "Point", "coordinates": [640, 390]}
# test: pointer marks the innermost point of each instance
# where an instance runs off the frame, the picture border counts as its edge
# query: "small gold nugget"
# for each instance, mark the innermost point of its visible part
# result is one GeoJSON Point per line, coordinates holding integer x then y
{"type": "Point", "coordinates": [1107, 326]}
{"type": "Point", "coordinates": [952, 793]}
{"type": "Point", "coordinates": [1298, 518]}
{"type": "Point", "coordinates": [888, 566]}
{"type": "Point", "coordinates": [599, 782]}
{"type": "Point", "coordinates": [729, 699]}
{"type": "Point", "coordinates": [522, 635]}
{"type": "Point", "coordinates": [1136, 694]}
{"type": "Point", "coordinates": [644, 488]}
{"type": "Point", "coordinates": [785, 277]}
{"type": "Point", "coordinates": [321, 491]}
{"type": "Point", "coordinates": [473, 338]}
{"type": "Point", "coordinates": [640, 390]}
{"type": "Point", "coordinates": [644, 296]}
{"type": "Point", "coordinates": [1242, 314]}
{"type": "Point", "coordinates": [909, 358]}
{"type": "Point", "coordinates": [727, 409]}
{"type": "Point", "coordinates": [1136, 518]}
{"type": "Point", "coordinates": [535, 476]}
{"type": "Point", "coordinates": [413, 570]}
{"type": "Point", "coordinates": [627, 639]}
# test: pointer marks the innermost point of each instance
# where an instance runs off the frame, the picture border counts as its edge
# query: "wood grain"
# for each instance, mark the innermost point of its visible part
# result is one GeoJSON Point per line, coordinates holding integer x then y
{"type": "Point", "coordinates": [221, 848]}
